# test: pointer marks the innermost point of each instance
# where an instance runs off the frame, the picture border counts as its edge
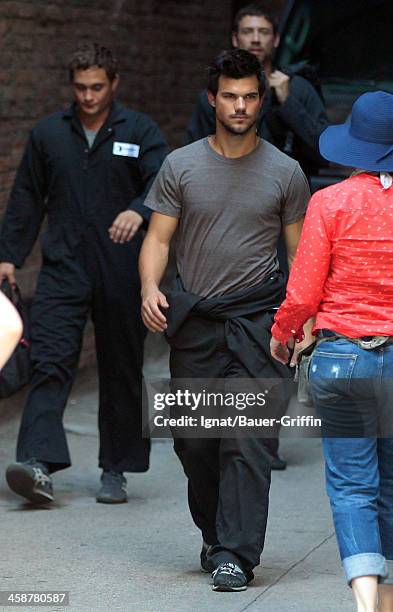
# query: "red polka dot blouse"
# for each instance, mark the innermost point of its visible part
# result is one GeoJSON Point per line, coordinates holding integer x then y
{"type": "Point", "coordinates": [343, 269]}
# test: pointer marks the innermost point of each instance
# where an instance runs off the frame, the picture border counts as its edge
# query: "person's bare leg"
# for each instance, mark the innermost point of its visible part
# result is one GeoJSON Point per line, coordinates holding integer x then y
{"type": "Point", "coordinates": [385, 597]}
{"type": "Point", "coordinates": [365, 590]}
{"type": "Point", "coordinates": [10, 329]}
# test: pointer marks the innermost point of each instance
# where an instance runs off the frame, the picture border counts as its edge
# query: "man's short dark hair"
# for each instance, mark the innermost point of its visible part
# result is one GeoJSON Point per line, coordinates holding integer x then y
{"type": "Point", "coordinates": [255, 10]}
{"type": "Point", "coordinates": [235, 64]}
{"type": "Point", "coordinates": [93, 54]}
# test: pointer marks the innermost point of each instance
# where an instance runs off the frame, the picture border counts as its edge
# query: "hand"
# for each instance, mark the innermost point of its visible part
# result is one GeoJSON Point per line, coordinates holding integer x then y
{"type": "Point", "coordinates": [281, 352]}
{"type": "Point", "coordinates": [280, 83]}
{"type": "Point", "coordinates": [7, 272]}
{"type": "Point", "coordinates": [125, 226]}
{"type": "Point", "coordinates": [300, 346]}
{"type": "Point", "coordinates": [152, 299]}
{"type": "Point", "coordinates": [307, 340]}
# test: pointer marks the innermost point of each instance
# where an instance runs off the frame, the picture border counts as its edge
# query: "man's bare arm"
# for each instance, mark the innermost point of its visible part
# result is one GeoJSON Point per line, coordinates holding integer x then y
{"type": "Point", "coordinates": [153, 261]}
{"type": "Point", "coordinates": [292, 235]}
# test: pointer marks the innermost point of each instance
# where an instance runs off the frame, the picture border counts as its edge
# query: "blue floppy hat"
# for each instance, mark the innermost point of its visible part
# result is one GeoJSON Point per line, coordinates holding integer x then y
{"type": "Point", "coordinates": [365, 141]}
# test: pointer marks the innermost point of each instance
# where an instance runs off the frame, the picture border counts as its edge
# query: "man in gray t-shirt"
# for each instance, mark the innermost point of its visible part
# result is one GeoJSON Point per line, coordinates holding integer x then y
{"type": "Point", "coordinates": [228, 196]}
{"type": "Point", "coordinates": [230, 212]}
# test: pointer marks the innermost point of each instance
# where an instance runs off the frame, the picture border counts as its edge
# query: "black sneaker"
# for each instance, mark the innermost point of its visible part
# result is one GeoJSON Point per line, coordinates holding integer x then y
{"type": "Point", "coordinates": [206, 565]}
{"type": "Point", "coordinates": [229, 577]}
{"type": "Point", "coordinates": [31, 480]}
{"type": "Point", "coordinates": [113, 488]}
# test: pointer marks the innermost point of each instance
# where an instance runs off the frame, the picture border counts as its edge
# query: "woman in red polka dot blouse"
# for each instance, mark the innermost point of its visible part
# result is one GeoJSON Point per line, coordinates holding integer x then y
{"type": "Point", "coordinates": [343, 276]}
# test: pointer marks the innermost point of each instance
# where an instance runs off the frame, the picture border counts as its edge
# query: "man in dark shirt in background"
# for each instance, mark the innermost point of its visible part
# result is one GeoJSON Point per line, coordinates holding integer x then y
{"type": "Point", "coordinates": [292, 116]}
{"type": "Point", "coordinates": [88, 168]}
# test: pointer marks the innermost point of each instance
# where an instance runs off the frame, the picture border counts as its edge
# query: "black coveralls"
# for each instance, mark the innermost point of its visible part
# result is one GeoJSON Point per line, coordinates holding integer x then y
{"type": "Point", "coordinates": [82, 191]}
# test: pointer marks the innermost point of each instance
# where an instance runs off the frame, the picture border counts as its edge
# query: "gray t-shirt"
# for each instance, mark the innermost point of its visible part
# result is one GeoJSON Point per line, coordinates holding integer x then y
{"type": "Point", "coordinates": [90, 135]}
{"type": "Point", "coordinates": [230, 213]}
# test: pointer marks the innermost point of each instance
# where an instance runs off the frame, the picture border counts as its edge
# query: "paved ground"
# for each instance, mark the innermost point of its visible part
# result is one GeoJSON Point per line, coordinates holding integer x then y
{"type": "Point", "coordinates": [143, 556]}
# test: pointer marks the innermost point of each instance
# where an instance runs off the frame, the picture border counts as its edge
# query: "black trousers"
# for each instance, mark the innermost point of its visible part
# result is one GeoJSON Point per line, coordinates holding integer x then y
{"type": "Point", "coordinates": [97, 276]}
{"type": "Point", "coordinates": [228, 478]}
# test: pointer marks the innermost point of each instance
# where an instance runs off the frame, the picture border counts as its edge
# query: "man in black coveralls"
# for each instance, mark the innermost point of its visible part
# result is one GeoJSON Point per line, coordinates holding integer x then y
{"type": "Point", "coordinates": [88, 168]}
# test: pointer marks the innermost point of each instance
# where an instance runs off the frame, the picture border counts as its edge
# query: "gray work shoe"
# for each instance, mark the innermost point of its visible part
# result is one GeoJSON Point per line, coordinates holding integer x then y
{"type": "Point", "coordinates": [31, 480]}
{"type": "Point", "coordinates": [229, 577]}
{"type": "Point", "coordinates": [113, 488]}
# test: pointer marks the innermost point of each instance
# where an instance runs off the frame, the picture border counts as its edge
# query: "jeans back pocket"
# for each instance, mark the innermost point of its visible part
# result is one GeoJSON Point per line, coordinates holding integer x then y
{"type": "Point", "coordinates": [330, 374]}
{"type": "Point", "coordinates": [327, 364]}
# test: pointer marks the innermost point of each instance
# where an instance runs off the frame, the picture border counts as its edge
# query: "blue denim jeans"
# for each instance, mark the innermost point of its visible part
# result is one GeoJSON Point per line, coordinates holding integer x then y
{"type": "Point", "coordinates": [352, 390]}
